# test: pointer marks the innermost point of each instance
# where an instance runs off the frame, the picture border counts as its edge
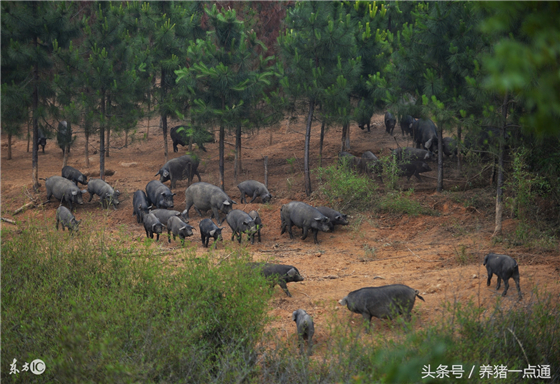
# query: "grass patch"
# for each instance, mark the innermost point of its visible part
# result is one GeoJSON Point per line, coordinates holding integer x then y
{"type": "Point", "coordinates": [399, 202]}
{"type": "Point", "coordinates": [345, 189]}
{"type": "Point", "coordinates": [466, 336]}
{"type": "Point", "coordinates": [96, 312]}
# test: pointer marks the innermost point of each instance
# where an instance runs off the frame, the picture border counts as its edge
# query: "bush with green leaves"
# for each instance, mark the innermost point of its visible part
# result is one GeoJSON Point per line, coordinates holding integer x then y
{"type": "Point", "coordinates": [400, 202]}
{"type": "Point", "coordinates": [345, 189]}
{"type": "Point", "coordinates": [390, 171]}
{"type": "Point", "coordinates": [524, 189]}
{"type": "Point", "coordinates": [466, 335]}
{"type": "Point", "coordinates": [94, 312]}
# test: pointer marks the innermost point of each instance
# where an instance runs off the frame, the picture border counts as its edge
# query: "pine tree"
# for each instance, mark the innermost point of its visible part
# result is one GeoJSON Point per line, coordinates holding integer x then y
{"type": "Point", "coordinates": [317, 48]}
{"type": "Point", "coordinates": [169, 27]}
{"type": "Point", "coordinates": [107, 67]}
{"type": "Point", "coordinates": [30, 31]}
{"type": "Point", "coordinates": [432, 60]}
{"type": "Point", "coordinates": [226, 79]}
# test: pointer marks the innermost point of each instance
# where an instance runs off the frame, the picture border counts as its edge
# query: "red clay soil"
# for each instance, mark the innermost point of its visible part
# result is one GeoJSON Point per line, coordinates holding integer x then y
{"type": "Point", "coordinates": [374, 250]}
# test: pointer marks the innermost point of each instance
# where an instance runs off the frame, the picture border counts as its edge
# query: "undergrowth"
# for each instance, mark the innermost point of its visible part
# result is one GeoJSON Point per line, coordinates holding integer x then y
{"type": "Point", "coordinates": [468, 338]}
{"type": "Point", "coordinates": [347, 190]}
{"type": "Point", "coordinates": [95, 311]}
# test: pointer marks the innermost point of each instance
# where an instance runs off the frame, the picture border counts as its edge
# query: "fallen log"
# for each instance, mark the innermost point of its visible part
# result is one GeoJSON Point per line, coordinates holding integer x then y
{"type": "Point", "coordinates": [8, 220]}
{"type": "Point", "coordinates": [28, 205]}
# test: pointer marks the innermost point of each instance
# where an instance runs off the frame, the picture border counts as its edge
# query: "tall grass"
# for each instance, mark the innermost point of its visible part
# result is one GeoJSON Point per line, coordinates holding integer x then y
{"type": "Point", "coordinates": [345, 189]}
{"type": "Point", "coordinates": [467, 336]}
{"type": "Point", "coordinates": [100, 313]}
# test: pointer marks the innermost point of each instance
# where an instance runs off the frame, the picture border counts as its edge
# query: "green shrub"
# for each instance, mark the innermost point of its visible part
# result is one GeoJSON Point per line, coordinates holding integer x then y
{"type": "Point", "coordinates": [345, 189]}
{"type": "Point", "coordinates": [100, 313]}
{"type": "Point", "coordinates": [400, 203]}
{"type": "Point", "coordinates": [466, 335]}
{"type": "Point", "coordinates": [390, 171]}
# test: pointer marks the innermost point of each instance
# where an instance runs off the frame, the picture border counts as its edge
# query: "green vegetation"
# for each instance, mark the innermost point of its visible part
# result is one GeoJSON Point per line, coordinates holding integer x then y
{"type": "Point", "coordinates": [401, 203]}
{"type": "Point", "coordinates": [101, 313]}
{"type": "Point", "coordinates": [95, 312]}
{"type": "Point", "coordinates": [345, 189]}
{"type": "Point", "coordinates": [510, 337]}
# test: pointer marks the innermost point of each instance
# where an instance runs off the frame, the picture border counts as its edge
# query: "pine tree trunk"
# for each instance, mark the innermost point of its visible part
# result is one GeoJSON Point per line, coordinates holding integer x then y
{"type": "Point", "coordinates": [191, 136]}
{"type": "Point", "coordinates": [459, 155]}
{"type": "Point", "coordinates": [222, 140]}
{"type": "Point", "coordinates": [9, 146]}
{"type": "Point", "coordinates": [164, 130]}
{"type": "Point", "coordinates": [500, 190]}
{"type": "Point", "coordinates": [321, 143]}
{"type": "Point", "coordinates": [222, 149]}
{"type": "Point", "coordinates": [108, 141]}
{"type": "Point", "coordinates": [108, 109]}
{"type": "Point", "coordinates": [345, 141]}
{"type": "Point", "coordinates": [440, 159]}
{"type": "Point", "coordinates": [28, 136]}
{"type": "Point", "coordinates": [35, 106]}
{"type": "Point", "coordinates": [102, 140]}
{"type": "Point", "coordinates": [164, 114]}
{"type": "Point", "coordinates": [307, 174]}
{"type": "Point", "coordinates": [87, 148]}
{"type": "Point", "coordinates": [238, 169]}
{"type": "Point", "coordinates": [149, 106]}
{"type": "Point", "coordinates": [348, 137]}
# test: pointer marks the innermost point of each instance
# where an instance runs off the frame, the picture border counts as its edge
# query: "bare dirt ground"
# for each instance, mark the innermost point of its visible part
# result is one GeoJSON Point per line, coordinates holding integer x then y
{"type": "Point", "coordinates": [374, 250]}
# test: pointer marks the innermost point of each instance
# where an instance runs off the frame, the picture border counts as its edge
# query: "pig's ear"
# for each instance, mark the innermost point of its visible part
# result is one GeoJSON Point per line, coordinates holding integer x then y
{"type": "Point", "coordinates": [74, 193]}
{"type": "Point", "coordinates": [153, 227]}
{"type": "Point", "coordinates": [173, 194]}
{"type": "Point", "coordinates": [182, 228]}
{"type": "Point", "coordinates": [227, 203]}
{"type": "Point", "coordinates": [220, 228]}
{"type": "Point", "coordinates": [318, 218]}
{"type": "Point", "coordinates": [178, 214]}
{"type": "Point", "coordinates": [233, 202]}
{"type": "Point", "coordinates": [157, 173]}
{"type": "Point", "coordinates": [337, 217]}
{"type": "Point", "coordinates": [212, 232]}
{"type": "Point", "coordinates": [162, 193]}
{"type": "Point", "coordinates": [294, 316]}
{"type": "Point", "coordinates": [117, 192]}
{"type": "Point", "coordinates": [428, 143]}
{"type": "Point", "coordinates": [292, 272]}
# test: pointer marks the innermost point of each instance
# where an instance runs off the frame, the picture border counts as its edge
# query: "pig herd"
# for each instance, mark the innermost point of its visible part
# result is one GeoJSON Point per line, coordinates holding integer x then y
{"type": "Point", "coordinates": [153, 208]}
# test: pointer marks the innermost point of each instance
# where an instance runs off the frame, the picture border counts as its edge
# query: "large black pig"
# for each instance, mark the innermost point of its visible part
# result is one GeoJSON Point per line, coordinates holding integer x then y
{"type": "Point", "coordinates": [382, 302]}
{"type": "Point", "coordinates": [303, 216]}
{"type": "Point", "coordinates": [63, 190]}
{"type": "Point", "coordinates": [159, 195]}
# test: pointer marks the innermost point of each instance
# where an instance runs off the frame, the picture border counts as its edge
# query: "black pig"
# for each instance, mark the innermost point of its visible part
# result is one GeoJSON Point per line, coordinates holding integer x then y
{"type": "Point", "coordinates": [382, 302]}
{"type": "Point", "coordinates": [305, 329]}
{"type": "Point", "coordinates": [279, 274]}
{"type": "Point", "coordinates": [207, 230]}
{"type": "Point", "coordinates": [504, 267]}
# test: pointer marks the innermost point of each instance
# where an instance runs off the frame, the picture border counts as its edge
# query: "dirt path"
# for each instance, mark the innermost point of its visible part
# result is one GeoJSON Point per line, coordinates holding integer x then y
{"type": "Point", "coordinates": [423, 252]}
